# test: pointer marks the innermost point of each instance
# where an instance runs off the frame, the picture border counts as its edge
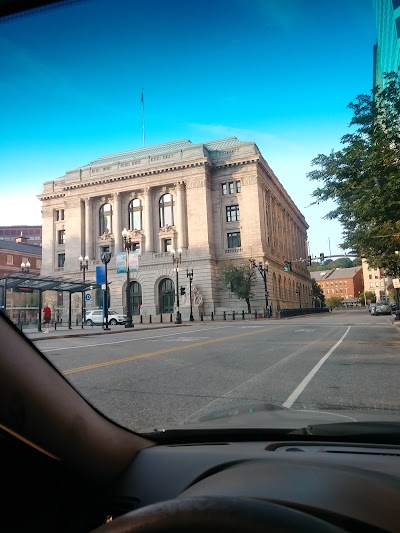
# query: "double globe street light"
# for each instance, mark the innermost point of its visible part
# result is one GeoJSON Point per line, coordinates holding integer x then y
{"type": "Point", "coordinates": [263, 270]}
{"type": "Point", "coordinates": [176, 261]}
{"type": "Point", "coordinates": [129, 246]}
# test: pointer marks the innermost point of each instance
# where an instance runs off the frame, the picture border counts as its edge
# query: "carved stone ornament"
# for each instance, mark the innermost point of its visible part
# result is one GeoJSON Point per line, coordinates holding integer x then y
{"type": "Point", "coordinates": [107, 236]}
{"type": "Point", "coordinates": [167, 229]}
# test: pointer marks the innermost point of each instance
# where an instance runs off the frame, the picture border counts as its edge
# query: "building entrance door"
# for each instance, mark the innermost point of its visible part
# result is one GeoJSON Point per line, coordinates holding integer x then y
{"type": "Point", "coordinates": [166, 296]}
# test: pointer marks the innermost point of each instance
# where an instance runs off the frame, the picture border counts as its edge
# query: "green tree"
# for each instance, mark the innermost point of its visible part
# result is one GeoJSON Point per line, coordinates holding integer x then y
{"type": "Point", "coordinates": [363, 178]}
{"type": "Point", "coordinates": [241, 277]}
{"type": "Point", "coordinates": [334, 301]}
{"type": "Point", "coordinates": [369, 296]}
{"type": "Point", "coordinates": [317, 291]}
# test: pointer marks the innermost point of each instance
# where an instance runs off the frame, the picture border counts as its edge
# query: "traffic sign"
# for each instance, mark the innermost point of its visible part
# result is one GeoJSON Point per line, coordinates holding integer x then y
{"type": "Point", "coordinates": [88, 297]}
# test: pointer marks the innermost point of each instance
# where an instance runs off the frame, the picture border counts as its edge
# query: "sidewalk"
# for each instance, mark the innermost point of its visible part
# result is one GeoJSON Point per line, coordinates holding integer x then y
{"type": "Point", "coordinates": [89, 331]}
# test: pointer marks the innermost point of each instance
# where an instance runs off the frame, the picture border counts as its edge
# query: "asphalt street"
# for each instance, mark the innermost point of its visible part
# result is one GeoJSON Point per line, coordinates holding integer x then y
{"type": "Point", "coordinates": [154, 378]}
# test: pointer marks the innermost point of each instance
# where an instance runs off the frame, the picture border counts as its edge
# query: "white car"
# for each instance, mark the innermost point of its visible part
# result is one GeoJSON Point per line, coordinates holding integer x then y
{"type": "Point", "coordinates": [96, 317]}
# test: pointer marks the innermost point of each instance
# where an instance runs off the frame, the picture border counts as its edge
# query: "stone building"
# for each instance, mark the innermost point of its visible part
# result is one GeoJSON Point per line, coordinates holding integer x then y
{"type": "Point", "coordinates": [215, 201]}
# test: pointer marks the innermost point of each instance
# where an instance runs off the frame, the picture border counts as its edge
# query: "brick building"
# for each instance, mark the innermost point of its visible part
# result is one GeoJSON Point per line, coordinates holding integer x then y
{"type": "Point", "coordinates": [345, 282]}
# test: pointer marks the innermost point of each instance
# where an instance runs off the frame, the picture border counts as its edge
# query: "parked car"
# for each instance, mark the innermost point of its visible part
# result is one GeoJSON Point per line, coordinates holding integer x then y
{"type": "Point", "coordinates": [95, 317]}
{"type": "Point", "coordinates": [381, 308]}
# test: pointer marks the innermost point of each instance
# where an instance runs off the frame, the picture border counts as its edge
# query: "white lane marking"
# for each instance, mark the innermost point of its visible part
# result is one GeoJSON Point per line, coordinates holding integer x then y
{"type": "Point", "coordinates": [299, 389]}
{"type": "Point", "coordinates": [324, 413]}
{"type": "Point", "coordinates": [129, 340]}
{"type": "Point", "coordinates": [259, 377]}
{"type": "Point", "coordinates": [182, 339]}
{"type": "Point", "coordinates": [247, 327]}
{"type": "Point", "coordinates": [304, 330]}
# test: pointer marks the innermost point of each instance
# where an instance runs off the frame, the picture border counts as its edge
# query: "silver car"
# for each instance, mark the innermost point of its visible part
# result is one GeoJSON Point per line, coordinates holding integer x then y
{"type": "Point", "coordinates": [95, 317]}
{"type": "Point", "coordinates": [381, 308]}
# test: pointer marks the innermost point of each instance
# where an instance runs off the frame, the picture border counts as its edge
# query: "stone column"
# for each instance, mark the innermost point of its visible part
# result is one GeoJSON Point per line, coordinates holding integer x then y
{"type": "Point", "coordinates": [89, 228]}
{"type": "Point", "coordinates": [181, 215]}
{"type": "Point", "coordinates": [148, 219]}
{"type": "Point", "coordinates": [117, 222]}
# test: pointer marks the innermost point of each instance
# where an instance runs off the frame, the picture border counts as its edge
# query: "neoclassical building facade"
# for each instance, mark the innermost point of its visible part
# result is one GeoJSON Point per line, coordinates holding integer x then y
{"type": "Point", "coordinates": [215, 201]}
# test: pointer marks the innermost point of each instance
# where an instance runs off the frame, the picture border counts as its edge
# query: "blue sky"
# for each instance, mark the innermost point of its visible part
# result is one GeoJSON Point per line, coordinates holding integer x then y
{"type": "Point", "coordinates": [277, 72]}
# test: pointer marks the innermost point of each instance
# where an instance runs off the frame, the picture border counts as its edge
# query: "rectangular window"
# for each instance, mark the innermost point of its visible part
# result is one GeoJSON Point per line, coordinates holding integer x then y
{"type": "Point", "coordinates": [136, 246]}
{"type": "Point", "coordinates": [238, 186]}
{"type": "Point", "coordinates": [370, 276]}
{"type": "Point", "coordinates": [104, 249]}
{"type": "Point", "coordinates": [231, 188]}
{"type": "Point", "coordinates": [61, 236]}
{"type": "Point", "coordinates": [62, 214]}
{"type": "Point", "coordinates": [234, 240]}
{"type": "Point", "coordinates": [167, 245]}
{"type": "Point", "coordinates": [57, 215]}
{"type": "Point", "coordinates": [232, 213]}
{"type": "Point", "coordinates": [38, 263]}
{"type": "Point", "coordinates": [371, 285]}
{"type": "Point", "coordinates": [10, 259]}
{"type": "Point", "coordinates": [224, 188]}
{"type": "Point", "coordinates": [377, 284]}
{"type": "Point", "coordinates": [61, 260]}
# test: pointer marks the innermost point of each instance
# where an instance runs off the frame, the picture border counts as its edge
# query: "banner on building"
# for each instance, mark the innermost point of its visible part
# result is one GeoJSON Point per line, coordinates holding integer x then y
{"type": "Point", "coordinates": [120, 261]}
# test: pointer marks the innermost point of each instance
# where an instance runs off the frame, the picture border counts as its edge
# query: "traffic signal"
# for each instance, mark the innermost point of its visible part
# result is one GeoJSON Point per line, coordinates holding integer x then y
{"type": "Point", "coordinates": [309, 260]}
{"type": "Point", "coordinates": [287, 265]}
{"type": "Point", "coordinates": [322, 259]}
{"type": "Point", "coordinates": [183, 291]}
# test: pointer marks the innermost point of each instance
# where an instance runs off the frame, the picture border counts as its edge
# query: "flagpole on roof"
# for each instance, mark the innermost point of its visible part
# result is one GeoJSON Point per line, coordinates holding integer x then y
{"type": "Point", "coordinates": [142, 100]}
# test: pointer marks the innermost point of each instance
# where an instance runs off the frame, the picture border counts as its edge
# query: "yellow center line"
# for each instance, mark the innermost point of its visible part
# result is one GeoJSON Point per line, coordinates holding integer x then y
{"type": "Point", "coordinates": [160, 352]}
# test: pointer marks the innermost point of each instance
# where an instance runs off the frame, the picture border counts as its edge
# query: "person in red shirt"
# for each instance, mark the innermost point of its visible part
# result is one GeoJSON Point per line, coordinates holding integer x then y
{"type": "Point", "coordinates": [46, 317]}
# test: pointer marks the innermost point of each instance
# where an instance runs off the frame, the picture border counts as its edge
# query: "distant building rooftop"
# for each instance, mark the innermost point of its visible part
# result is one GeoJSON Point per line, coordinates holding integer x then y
{"type": "Point", "coordinates": [337, 273]}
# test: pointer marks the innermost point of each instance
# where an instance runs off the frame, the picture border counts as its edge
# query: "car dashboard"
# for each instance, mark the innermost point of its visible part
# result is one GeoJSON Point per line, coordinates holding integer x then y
{"type": "Point", "coordinates": [355, 487]}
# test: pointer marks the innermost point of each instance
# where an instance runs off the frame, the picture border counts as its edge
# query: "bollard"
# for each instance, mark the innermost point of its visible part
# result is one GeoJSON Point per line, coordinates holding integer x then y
{"type": "Point", "coordinates": [170, 317]}
{"type": "Point", "coordinates": [224, 315]}
{"type": "Point", "coordinates": [141, 319]}
{"type": "Point", "coordinates": [212, 316]}
{"type": "Point", "coordinates": [201, 317]}
{"type": "Point", "coordinates": [255, 314]}
{"type": "Point", "coordinates": [233, 315]}
{"type": "Point", "coordinates": [55, 326]}
{"type": "Point", "coordinates": [161, 318]}
{"type": "Point", "coordinates": [242, 315]}
{"type": "Point", "coordinates": [150, 322]}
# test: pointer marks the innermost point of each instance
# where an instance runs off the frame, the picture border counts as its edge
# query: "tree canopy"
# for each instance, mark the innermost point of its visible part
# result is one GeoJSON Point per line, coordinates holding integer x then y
{"type": "Point", "coordinates": [363, 178]}
{"type": "Point", "coordinates": [241, 277]}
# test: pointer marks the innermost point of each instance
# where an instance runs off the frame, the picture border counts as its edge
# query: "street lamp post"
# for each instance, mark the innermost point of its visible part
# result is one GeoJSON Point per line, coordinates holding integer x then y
{"type": "Point", "coordinates": [25, 267]}
{"type": "Point", "coordinates": [129, 246]}
{"type": "Point", "coordinates": [83, 266]}
{"type": "Point", "coordinates": [190, 276]}
{"type": "Point", "coordinates": [176, 261]}
{"type": "Point", "coordinates": [263, 270]}
{"type": "Point", "coordinates": [105, 259]}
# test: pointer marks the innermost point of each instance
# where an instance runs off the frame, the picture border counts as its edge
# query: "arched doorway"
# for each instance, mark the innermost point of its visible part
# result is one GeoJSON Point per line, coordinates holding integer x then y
{"type": "Point", "coordinates": [166, 293]}
{"type": "Point", "coordinates": [135, 294]}
{"type": "Point", "coordinates": [135, 298]}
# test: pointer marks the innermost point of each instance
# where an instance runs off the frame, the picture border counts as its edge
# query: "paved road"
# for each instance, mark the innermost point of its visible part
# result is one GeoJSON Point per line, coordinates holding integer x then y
{"type": "Point", "coordinates": [150, 379]}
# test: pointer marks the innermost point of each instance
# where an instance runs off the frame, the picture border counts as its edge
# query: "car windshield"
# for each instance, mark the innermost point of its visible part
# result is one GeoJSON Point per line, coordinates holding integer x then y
{"type": "Point", "coordinates": [200, 206]}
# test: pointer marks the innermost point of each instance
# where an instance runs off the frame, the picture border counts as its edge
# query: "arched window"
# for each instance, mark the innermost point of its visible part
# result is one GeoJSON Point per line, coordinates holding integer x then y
{"type": "Point", "coordinates": [135, 297]}
{"type": "Point", "coordinates": [166, 210]}
{"type": "Point", "coordinates": [105, 219]}
{"type": "Point", "coordinates": [166, 293]}
{"type": "Point", "coordinates": [135, 214]}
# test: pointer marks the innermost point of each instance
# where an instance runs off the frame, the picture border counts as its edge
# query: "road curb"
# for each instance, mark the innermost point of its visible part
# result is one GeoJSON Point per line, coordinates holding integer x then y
{"type": "Point", "coordinates": [93, 334]}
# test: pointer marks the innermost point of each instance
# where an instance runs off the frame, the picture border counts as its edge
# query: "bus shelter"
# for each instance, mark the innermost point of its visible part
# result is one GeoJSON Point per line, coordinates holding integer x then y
{"type": "Point", "coordinates": [25, 282]}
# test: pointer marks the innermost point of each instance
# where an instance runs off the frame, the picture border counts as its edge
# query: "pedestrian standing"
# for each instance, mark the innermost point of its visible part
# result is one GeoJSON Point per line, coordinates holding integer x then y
{"type": "Point", "coordinates": [46, 317]}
